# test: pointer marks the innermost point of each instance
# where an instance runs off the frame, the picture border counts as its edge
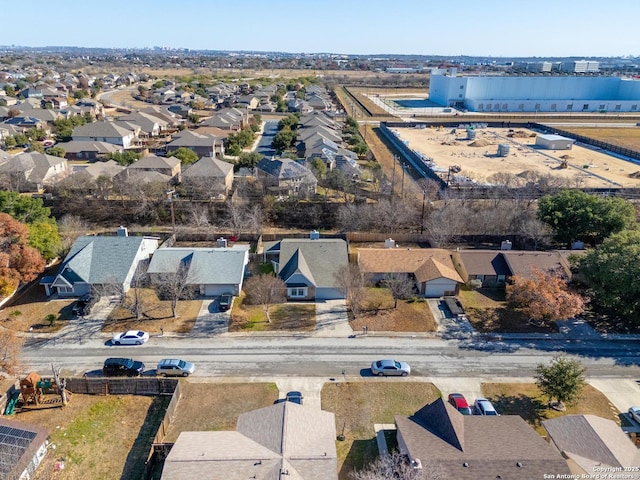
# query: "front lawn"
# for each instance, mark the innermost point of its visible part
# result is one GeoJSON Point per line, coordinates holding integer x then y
{"type": "Point", "coordinates": [525, 399]}
{"type": "Point", "coordinates": [358, 405]}
{"type": "Point", "coordinates": [488, 312]}
{"type": "Point", "coordinates": [27, 310]}
{"type": "Point", "coordinates": [156, 315]}
{"type": "Point", "coordinates": [378, 314]}
{"type": "Point", "coordinates": [297, 317]}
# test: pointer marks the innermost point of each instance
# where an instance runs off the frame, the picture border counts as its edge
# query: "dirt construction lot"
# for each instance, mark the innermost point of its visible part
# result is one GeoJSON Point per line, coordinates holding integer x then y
{"type": "Point", "coordinates": [479, 161]}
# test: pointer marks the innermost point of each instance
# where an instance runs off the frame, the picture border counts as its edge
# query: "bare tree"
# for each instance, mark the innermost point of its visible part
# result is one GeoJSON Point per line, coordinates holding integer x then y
{"type": "Point", "coordinates": [10, 345]}
{"type": "Point", "coordinates": [398, 467]}
{"type": "Point", "coordinates": [265, 290]}
{"type": "Point", "coordinates": [352, 280]}
{"type": "Point", "coordinates": [70, 228]}
{"type": "Point", "coordinates": [174, 286]}
{"type": "Point", "coordinates": [400, 285]}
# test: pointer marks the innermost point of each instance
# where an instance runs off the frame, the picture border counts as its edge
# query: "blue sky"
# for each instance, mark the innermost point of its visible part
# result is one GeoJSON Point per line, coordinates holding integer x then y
{"type": "Point", "coordinates": [496, 28]}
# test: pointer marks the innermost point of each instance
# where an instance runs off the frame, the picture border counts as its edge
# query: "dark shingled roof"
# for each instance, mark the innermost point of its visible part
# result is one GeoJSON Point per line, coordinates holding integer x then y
{"type": "Point", "coordinates": [473, 447]}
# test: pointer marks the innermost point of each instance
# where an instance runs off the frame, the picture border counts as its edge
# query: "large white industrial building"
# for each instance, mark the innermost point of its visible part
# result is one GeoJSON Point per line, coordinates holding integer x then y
{"type": "Point", "coordinates": [561, 94]}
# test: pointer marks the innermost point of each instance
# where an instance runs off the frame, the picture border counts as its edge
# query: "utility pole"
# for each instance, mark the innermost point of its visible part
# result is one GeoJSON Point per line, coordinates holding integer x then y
{"type": "Point", "coordinates": [402, 187]}
{"type": "Point", "coordinates": [393, 177]}
{"type": "Point", "coordinates": [170, 194]}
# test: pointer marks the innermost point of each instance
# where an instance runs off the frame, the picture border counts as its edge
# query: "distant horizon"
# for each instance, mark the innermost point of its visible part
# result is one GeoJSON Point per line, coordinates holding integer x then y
{"type": "Point", "coordinates": [157, 48]}
{"type": "Point", "coordinates": [491, 28]}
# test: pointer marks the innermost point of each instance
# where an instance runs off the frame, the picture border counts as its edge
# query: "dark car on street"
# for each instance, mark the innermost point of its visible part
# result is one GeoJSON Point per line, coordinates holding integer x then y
{"type": "Point", "coordinates": [295, 397]}
{"type": "Point", "coordinates": [122, 367]}
{"type": "Point", "coordinates": [225, 302]}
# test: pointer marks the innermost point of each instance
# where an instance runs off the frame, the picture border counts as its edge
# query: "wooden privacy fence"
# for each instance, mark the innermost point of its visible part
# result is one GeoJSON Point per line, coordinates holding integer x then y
{"type": "Point", "coordinates": [122, 386]}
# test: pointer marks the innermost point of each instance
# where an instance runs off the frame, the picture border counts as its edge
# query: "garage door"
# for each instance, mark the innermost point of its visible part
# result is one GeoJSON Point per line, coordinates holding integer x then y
{"type": "Point", "coordinates": [215, 290]}
{"type": "Point", "coordinates": [433, 291]}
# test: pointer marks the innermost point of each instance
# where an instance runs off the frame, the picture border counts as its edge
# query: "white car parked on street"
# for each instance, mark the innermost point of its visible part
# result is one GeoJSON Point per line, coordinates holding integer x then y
{"type": "Point", "coordinates": [132, 337]}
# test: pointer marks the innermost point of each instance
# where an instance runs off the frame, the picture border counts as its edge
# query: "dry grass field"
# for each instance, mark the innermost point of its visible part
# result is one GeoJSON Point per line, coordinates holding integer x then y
{"type": "Point", "coordinates": [477, 159]}
{"type": "Point", "coordinates": [624, 137]}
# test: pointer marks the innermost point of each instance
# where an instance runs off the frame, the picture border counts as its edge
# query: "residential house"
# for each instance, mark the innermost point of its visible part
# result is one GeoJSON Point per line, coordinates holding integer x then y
{"type": "Point", "coordinates": [319, 102]}
{"type": "Point", "coordinates": [204, 145]}
{"type": "Point", "coordinates": [228, 119]}
{"type": "Point", "coordinates": [94, 178]}
{"type": "Point", "coordinates": [208, 177]}
{"type": "Point", "coordinates": [431, 269]}
{"type": "Point", "coordinates": [283, 176]}
{"type": "Point", "coordinates": [169, 166]}
{"type": "Point", "coordinates": [23, 446]}
{"type": "Point", "coordinates": [250, 102]}
{"type": "Point", "coordinates": [309, 267]}
{"type": "Point", "coordinates": [210, 271]}
{"type": "Point", "coordinates": [26, 122]}
{"type": "Point", "coordinates": [496, 267]}
{"type": "Point", "coordinates": [88, 150]}
{"type": "Point", "coordinates": [181, 110]}
{"type": "Point", "coordinates": [285, 440]}
{"type": "Point", "coordinates": [45, 116]}
{"type": "Point", "coordinates": [104, 132]}
{"type": "Point", "coordinates": [592, 445]}
{"type": "Point", "coordinates": [314, 119]}
{"type": "Point", "coordinates": [150, 125]}
{"type": "Point", "coordinates": [28, 172]}
{"type": "Point", "coordinates": [172, 120]}
{"type": "Point", "coordinates": [100, 261]}
{"type": "Point", "coordinates": [472, 447]}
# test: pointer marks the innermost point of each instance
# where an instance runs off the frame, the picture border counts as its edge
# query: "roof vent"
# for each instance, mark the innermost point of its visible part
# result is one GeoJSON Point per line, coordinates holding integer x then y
{"type": "Point", "coordinates": [519, 464]}
{"type": "Point", "coordinates": [417, 464]}
{"type": "Point", "coordinates": [389, 243]}
{"type": "Point", "coordinates": [465, 465]}
{"type": "Point", "coordinates": [315, 235]}
{"type": "Point", "coordinates": [505, 245]}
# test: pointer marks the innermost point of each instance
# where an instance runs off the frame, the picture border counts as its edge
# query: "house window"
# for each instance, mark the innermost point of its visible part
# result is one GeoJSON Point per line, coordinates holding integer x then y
{"type": "Point", "coordinates": [553, 107]}
{"type": "Point", "coordinates": [297, 292]}
{"type": "Point", "coordinates": [502, 278]}
{"type": "Point", "coordinates": [602, 106]}
{"type": "Point", "coordinates": [481, 106]}
{"type": "Point", "coordinates": [569, 107]}
{"type": "Point", "coordinates": [618, 107]}
{"type": "Point", "coordinates": [585, 106]}
{"type": "Point", "coordinates": [521, 107]}
{"type": "Point", "coordinates": [65, 289]}
{"type": "Point", "coordinates": [634, 107]}
{"type": "Point", "coordinates": [504, 107]}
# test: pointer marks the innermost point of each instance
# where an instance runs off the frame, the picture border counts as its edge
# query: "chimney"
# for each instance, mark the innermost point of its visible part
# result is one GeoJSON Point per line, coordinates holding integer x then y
{"type": "Point", "coordinates": [389, 243]}
{"type": "Point", "coordinates": [222, 242]}
{"type": "Point", "coordinates": [505, 245]}
{"type": "Point", "coordinates": [315, 235]}
{"type": "Point", "coordinates": [122, 232]}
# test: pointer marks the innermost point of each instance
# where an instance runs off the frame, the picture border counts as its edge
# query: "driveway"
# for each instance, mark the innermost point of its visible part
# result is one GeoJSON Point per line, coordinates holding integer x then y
{"type": "Point", "coordinates": [448, 325]}
{"type": "Point", "coordinates": [211, 321]}
{"type": "Point", "coordinates": [332, 319]}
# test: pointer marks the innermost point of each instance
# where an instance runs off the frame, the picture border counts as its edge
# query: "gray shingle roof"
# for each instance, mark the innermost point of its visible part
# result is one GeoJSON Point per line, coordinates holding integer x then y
{"type": "Point", "coordinates": [283, 437]}
{"type": "Point", "coordinates": [285, 169]}
{"type": "Point", "coordinates": [208, 167]}
{"type": "Point", "coordinates": [323, 258]}
{"type": "Point", "coordinates": [188, 138]}
{"type": "Point", "coordinates": [296, 264]}
{"type": "Point", "coordinates": [208, 266]}
{"type": "Point", "coordinates": [101, 129]}
{"type": "Point", "coordinates": [153, 161]}
{"type": "Point", "coordinates": [99, 259]}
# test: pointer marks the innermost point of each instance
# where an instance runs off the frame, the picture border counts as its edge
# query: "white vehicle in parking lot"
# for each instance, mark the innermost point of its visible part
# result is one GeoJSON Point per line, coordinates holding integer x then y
{"type": "Point", "coordinates": [634, 413]}
{"type": "Point", "coordinates": [132, 337]}
{"type": "Point", "coordinates": [484, 407]}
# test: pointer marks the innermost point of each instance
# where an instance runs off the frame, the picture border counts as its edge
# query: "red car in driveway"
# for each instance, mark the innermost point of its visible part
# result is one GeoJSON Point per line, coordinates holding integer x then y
{"type": "Point", "coordinates": [460, 403]}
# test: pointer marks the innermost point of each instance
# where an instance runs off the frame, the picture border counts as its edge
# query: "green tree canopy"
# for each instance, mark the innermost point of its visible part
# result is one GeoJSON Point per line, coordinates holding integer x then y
{"type": "Point", "coordinates": [563, 379]}
{"type": "Point", "coordinates": [124, 158]}
{"type": "Point", "coordinates": [611, 272]}
{"type": "Point", "coordinates": [25, 209]}
{"type": "Point", "coordinates": [185, 155]}
{"type": "Point", "coordinates": [575, 215]}
{"type": "Point", "coordinates": [284, 139]}
{"type": "Point", "coordinates": [248, 159]}
{"type": "Point", "coordinates": [44, 237]}
{"type": "Point", "coordinates": [56, 152]}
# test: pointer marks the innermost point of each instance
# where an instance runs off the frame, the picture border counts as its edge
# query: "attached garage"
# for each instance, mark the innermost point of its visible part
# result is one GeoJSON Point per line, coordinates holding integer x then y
{"type": "Point", "coordinates": [329, 293]}
{"type": "Point", "coordinates": [440, 287]}
{"type": "Point", "coordinates": [216, 290]}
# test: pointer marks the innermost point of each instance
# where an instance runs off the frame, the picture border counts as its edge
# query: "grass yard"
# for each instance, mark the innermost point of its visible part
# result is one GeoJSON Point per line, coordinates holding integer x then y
{"type": "Point", "coordinates": [488, 312]}
{"type": "Point", "coordinates": [99, 437]}
{"type": "Point", "coordinates": [217, 406]}
{"type": "Point", "coordinates": [296, 317]}
{"type": "Point", "coordinates": [379, 315]}
{"type": "Point", "coordinates": [358, 405]}
{"type": "Point", "coordinates": [525, 399]}
{"type": "Point", "coordinates": [624, 137]}
{"type": "Point", "coordinates": [29, 307]}
{"type": "Point", "coordinates": [156, 315]}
